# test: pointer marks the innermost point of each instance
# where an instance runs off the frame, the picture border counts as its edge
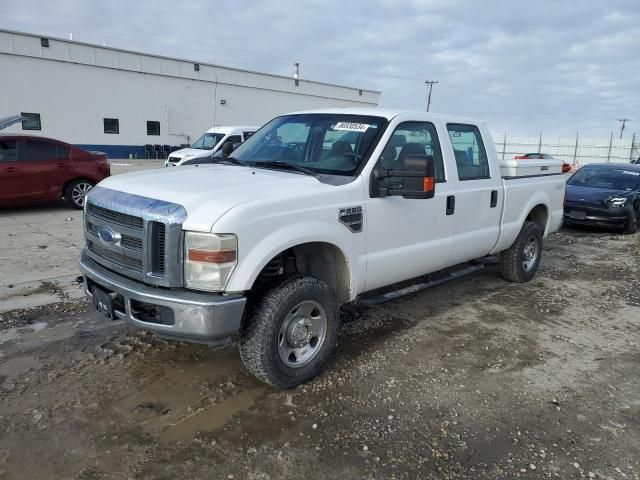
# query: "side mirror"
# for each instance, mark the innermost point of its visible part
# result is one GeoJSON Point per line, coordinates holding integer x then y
{"type": "Point", "coordinates": [418, 178]}
{"type": "Point", "coordinates": [227, 149]}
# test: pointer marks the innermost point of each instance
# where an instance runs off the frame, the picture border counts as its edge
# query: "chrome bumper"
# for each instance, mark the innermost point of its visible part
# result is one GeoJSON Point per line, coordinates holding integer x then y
{"type": "Point", "coordinates": [197, 317]}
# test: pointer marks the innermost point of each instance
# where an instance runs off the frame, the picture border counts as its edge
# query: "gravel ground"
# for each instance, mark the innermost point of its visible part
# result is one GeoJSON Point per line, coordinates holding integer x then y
{"type": "Point", "coordinates": [475, 379]}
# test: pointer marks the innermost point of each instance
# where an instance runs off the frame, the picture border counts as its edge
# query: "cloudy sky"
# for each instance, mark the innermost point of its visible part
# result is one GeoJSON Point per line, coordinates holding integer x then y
{"type": "Point", "coordinates": [525, 67]}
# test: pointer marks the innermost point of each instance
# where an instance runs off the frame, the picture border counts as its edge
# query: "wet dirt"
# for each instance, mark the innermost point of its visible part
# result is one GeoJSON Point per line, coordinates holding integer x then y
{"type": "Point", "coordinates": [479, 378]}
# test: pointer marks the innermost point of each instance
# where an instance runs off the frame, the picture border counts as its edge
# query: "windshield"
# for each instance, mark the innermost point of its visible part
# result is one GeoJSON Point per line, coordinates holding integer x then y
{"type": "Point", "coordinates": [606, 177]}
{"type": "Point", "coordinates": [208, 141]}
{"type": "Point", "coordinates": [324, 143]}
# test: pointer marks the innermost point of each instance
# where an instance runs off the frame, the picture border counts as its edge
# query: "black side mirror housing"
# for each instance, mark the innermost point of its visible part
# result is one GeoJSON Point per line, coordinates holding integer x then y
{"type": "Point", "coordinates": [227, 149]}
{"type": "Point", "coordinates": [418, 178]}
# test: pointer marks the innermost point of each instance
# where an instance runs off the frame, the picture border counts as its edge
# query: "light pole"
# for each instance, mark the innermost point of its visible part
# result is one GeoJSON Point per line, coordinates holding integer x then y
{"type": "Point", "coordinates": [624, 121]}
{"type": "Point", "coordinates": [430, 83]}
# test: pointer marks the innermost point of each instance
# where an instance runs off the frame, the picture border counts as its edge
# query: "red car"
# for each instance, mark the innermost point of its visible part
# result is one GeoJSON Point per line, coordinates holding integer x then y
{"type": "Point", "coordinates": [566, 167]}
{"type": "Point", "coordinates": [37, 169]}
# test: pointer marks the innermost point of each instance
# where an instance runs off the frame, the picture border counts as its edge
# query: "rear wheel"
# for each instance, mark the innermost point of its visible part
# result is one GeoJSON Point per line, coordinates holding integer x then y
{"type": "Point", "coordinates": [520, 262]}
{"type": "Point", "coordinates": [290, 332]}
{"type": "Point", "coordinates": [75, 192]}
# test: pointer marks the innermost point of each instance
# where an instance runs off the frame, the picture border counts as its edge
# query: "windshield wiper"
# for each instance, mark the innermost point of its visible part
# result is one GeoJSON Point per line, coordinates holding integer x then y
{"type": "Point", "coordinates": [286, 165]}
{"type": "Point", "coordinates": [231, 160]}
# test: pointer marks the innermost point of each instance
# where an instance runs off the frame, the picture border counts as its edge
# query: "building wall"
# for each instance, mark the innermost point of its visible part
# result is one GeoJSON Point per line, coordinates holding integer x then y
{"type": "Point", "coordinates": [75, 86]}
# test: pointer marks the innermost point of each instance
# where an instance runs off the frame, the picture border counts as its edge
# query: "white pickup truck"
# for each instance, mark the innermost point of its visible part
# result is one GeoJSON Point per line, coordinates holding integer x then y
{"type": "Point", "coordinates": [309, 213]}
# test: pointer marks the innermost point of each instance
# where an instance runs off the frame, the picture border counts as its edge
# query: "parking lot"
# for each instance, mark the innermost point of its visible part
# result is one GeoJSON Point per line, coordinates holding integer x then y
{"type": "Point", "coordinates": [476, 379]}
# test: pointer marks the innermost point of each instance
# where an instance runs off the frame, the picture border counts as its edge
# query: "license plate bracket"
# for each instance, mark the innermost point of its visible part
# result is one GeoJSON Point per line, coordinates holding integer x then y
{"type": "Point", "coordinates": [103, 301]}
{"type": "Point", "coordinates": [577, 215]}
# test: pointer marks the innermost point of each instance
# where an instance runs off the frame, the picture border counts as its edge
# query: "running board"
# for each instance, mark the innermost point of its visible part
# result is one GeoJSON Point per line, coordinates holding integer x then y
{"type": "Point", "coordinates": [403, 292]}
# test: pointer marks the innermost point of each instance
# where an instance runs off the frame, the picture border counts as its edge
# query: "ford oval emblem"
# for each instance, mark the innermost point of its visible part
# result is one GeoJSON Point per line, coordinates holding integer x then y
{"type": "Point", "coordinates": [108, 236]}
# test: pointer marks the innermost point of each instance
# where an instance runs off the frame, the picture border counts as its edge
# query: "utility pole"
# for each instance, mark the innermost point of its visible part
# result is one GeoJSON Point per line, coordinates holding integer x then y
{"type": "Point", "coordinates": [430, 83]}
{"type": "Point", "coordinates": [623, 120]}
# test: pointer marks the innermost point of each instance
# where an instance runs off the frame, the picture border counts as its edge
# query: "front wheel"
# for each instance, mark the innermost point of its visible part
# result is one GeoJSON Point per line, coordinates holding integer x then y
{"type": "Point", "coordinates": [632, 223]}
{"type": "Point", "coordinates": [75, 192]}
{"type": "Point", "coordinates": [520, 262]}
{"type": "Point", "coordinates": [291, 332]}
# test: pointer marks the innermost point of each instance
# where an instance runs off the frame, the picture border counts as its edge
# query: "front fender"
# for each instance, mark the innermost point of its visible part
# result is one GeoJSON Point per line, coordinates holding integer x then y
{"type": "Point", "coordinates": [254, 257]}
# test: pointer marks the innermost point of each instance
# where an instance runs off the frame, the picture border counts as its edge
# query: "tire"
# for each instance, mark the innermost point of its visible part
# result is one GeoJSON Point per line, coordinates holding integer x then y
{"type": "Point", "coordinates": [632, 223]}
{"type": "Point", "coordinates": [75, 192]}
{"type": "Point", "coordinates": [514, 264]}
{"type": "Point", "coordinates": [288, 313]}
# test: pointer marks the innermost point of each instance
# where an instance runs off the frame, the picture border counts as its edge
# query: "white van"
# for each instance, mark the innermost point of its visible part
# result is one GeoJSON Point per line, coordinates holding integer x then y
{"type": "Point", "coordinates": [209, 143]}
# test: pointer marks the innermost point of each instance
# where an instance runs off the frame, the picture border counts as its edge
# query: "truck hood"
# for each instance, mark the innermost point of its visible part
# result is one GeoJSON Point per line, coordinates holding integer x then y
{"type": "Point", "coordinates": [191, 153]}
{"type": "Point", "coordinates": [208, 191]}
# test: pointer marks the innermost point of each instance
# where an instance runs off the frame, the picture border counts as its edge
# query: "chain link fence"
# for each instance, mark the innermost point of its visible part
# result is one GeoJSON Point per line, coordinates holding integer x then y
{"type": "Point", "coordinates": [576, 151]}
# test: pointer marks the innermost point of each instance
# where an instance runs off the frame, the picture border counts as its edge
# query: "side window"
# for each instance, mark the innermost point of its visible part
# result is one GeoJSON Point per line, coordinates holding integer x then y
{"type": "Point", "coordinates": [32, 121]}
{"type": "Point", "coordinates": [247, 134]}
{"type": "Point", "coordinates": [8, 150]}
{"type": "Point", "coordinates": [290, 133]}
{"type": "Point", "coordinates": [38, 150]}
{"type": "Point", "coordinates": [471, 157]}
{"type": "Point", "coordinates": [62, 151]}
{"type": "Point", "coordinates": [235, 139]}
{"type": "Point", "coordinates": [413, 138]}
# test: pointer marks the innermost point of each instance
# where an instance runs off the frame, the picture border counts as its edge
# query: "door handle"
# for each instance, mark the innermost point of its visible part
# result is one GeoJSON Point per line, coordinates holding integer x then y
{"type": "Point", "coordinates": [60, 165]}
{"type": "Point", "coordinates": [451, 204]}
{"type": "Point", "coordinates": [494, 198]}
{"type": "Point", "coordinates": [11, 169]}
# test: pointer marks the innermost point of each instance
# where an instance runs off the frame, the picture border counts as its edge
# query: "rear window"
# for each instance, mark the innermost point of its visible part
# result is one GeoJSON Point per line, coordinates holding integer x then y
{"type": "Point", "coordinates": [39, 150]}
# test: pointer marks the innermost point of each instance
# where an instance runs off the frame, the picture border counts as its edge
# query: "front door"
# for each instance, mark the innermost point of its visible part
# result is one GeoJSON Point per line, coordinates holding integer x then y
{"type": "Point", "coordinates": [406, 238]}
{"type": "Point", "coordinates": [10, 175]}
{"type": "Point", "coordinates": [478, 198]}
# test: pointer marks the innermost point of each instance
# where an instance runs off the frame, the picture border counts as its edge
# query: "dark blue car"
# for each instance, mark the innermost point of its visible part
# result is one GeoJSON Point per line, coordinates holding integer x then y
{"type": "Point", "coordinates": [606, 195]}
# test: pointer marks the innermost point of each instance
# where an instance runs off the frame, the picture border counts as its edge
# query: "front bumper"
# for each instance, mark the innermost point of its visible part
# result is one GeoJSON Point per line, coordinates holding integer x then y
{"type": "Point", "coordinates": [175, 314]}
{"type": "Point", "coordinates": [581, 214]}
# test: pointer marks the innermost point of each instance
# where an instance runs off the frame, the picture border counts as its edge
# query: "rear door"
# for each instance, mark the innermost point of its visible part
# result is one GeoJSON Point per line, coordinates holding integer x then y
{"type": "Point", "coordinates": [478, 195]}
{"type": "Point", "coordinates": [45, 168]}
{"type": "Point", "coordinates": [10, 175]}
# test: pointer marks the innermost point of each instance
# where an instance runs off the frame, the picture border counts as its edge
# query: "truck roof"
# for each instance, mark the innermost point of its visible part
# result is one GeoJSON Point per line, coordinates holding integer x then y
{"type": "Point", "coordinates": [231, 129]}
{"type": "Point", "coordinates": [389, 113]}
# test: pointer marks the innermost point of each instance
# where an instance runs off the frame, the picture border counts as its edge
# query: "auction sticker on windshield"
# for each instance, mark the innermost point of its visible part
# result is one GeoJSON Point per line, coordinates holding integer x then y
{"type": "Point", "coordinates": [351, 126]}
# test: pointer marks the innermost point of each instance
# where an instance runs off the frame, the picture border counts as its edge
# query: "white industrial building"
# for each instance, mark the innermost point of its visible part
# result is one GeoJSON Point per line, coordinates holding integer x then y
{"type": "Point", "coordinates": [117, 101]}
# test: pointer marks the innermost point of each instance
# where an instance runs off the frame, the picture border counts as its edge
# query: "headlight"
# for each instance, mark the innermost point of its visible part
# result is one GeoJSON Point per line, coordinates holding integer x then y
{"type": "Point", "coordinates": [615, 202]}
{"type": "Point", "coordinates": [209, 260]}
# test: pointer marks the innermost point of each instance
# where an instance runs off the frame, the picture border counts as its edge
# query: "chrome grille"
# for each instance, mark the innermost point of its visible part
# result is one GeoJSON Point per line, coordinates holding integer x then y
{"type": "Point", "coordinates": [158, 238]}
{"type": "Point", "coordinates": [127, 241]}
{"type": "Point", "coordinates": [118, 218]}
{"type": "Point", "coordinates": [141, 237]}
{"type": "Point", "coordinates": [115, 257]}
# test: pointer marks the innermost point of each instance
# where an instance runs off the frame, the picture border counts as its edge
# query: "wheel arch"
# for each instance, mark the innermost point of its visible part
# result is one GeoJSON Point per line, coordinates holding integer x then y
{"type": "Point", "coordinates": [321, 259]}
{"type": "Point", "coordinates": [540, 215]}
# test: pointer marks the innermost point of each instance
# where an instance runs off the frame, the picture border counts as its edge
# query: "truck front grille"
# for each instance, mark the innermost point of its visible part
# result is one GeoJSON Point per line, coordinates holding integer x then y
{"type": "Point", "coordinates": [121, 259]}
{"type": "Point", "coordinates": [118, 218]}
{"type": "Point", "coordinates": [158, 238]}
{"type": "Point", "coordinates": [141, 237]}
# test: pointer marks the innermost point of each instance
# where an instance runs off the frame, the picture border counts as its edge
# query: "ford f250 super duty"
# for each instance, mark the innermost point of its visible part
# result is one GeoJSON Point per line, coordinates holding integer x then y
{"type": "Point", "coordinates": [309, 213]}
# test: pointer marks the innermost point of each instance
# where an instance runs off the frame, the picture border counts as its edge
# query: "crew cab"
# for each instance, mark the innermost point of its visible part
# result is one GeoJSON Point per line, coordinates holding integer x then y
{"type": "Point", "coordinates": [209, 143]}
{"type": "Point", "coordinates": [311, 212]}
